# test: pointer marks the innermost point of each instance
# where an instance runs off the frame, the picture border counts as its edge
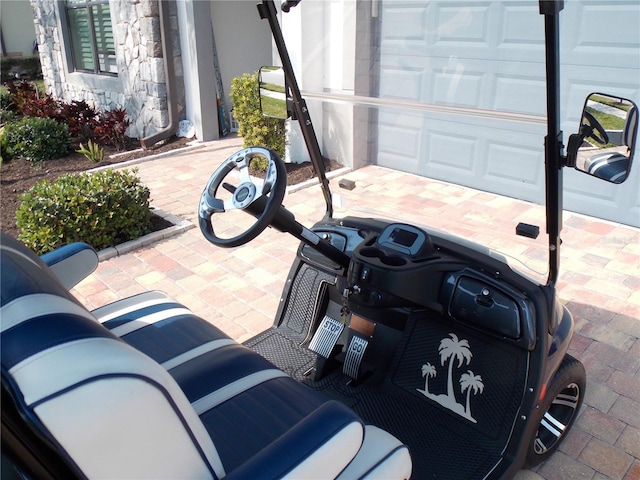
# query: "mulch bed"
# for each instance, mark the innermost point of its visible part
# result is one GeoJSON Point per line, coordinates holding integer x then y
{"type": "Point", "coordinates": [19, 175]}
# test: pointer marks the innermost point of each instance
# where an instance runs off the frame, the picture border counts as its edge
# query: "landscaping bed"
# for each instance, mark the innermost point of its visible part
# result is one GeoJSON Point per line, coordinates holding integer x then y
{"type": "Point", "coordinates": [19, 175]}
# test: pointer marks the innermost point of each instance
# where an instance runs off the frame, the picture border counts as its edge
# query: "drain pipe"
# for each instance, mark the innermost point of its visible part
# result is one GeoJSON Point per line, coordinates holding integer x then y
{"type": "Point", "coordinates": [170, 79]}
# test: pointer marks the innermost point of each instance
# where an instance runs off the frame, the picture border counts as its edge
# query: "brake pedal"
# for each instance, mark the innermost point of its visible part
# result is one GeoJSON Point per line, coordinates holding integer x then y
{"type": "Point", "coordinates": [326, 336]}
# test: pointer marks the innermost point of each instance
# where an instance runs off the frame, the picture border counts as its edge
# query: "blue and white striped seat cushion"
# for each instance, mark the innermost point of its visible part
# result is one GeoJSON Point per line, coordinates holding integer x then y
{"type": "Point", "coordinates": [611, 166]}
{"type": "Point", "coordinates": [211, 369]}
{"type": "Point", "coordinates": [162, 328]}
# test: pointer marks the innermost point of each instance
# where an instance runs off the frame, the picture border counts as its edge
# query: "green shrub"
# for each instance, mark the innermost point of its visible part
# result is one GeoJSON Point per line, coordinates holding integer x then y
{"type": "Point", "coordinates": [5, 100]}
{"type": "Point", "coordinates": [4, 154]}
{"type": "Point", "coordinates": [256, 129]}
{"type": "Point", "coordinates": [8, 116]}
{"type": "Point", "coordinates": [37, 139]}
{"type": "Point", "coordinates": [102, 209]}
{"type": "Point", "coordinates": [7, 108]}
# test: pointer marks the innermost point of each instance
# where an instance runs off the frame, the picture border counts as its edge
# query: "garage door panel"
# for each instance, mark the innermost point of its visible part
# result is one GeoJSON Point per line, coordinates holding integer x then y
{"type": "Point", "coordinates": [465, 27]}
{"type": "Point", "coordinates": [457, 88]}
{"type": "Point", "coordinates": [513, 36]}
{"type": "Point", "coordinates": [601, 30]}
{"type": "Point", "coordinates": [519, 93]}
{"type": "Point", "coordinates": [617, 81]}
{"type": "Point", "coordinates": [601, 33]}
{"type": "Point", "coordinates": [485, 84]}
{"type": "Point", "coordinates": [404, 23]}
{"type": "Point", "coordinates": [452, 153]}
{"type": "Point", "coordinates": [454, 157]}
{"type": "Point", "coordinates": [486, 29]}
{"type": "Point", "coordinates": [513, 163]}
{"type": "Point", "coordinates": [602, 199]}
{"type": "Point", "coordinates": [579, 186]}
{"type": "Point", "coordinates": [474, 30]}
{"type": "Point", "coordinates": [399, 140]}
{"type": "Point", "coordinates": [446, 147]}
{"type": "Point", "coordinates": [404, 82]}
{"type": "Point", "coordinates": [399, 162]}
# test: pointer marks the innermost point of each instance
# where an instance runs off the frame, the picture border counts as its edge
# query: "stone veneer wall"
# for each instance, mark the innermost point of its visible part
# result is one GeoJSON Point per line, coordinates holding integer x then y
{"type": "Point", "coordinates": [140, 86]}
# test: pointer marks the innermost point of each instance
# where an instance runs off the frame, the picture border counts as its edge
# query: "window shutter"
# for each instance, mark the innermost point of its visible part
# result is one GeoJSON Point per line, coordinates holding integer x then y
{"type": "Point", "coordinates": [81, 39]}
{"type": "Point", "coordinates": [91, 36]}
{"type": "Point", "coordinates": [104, 38]}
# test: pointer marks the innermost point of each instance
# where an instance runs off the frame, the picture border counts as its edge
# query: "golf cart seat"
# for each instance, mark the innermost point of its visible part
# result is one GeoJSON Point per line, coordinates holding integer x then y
{"type": "Point", "coordinates": [613, 165]}
{"type": "Point", "coordinates": [189, 403]}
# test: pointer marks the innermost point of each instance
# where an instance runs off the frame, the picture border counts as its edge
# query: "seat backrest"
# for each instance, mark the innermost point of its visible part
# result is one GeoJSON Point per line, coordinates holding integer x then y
{"type": "Point", "coordinates": [111, 411]}
{"type": "Point", "coordinates": [630, 128]}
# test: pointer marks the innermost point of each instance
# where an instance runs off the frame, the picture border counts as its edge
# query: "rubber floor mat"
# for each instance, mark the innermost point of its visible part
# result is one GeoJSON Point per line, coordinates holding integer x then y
{"type": "Point", "coordinates": [452, 394]}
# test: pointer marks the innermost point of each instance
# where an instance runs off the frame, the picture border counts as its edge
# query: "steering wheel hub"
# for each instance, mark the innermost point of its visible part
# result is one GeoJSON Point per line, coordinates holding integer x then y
{"type": "Point", "coordinates": [244, 195]}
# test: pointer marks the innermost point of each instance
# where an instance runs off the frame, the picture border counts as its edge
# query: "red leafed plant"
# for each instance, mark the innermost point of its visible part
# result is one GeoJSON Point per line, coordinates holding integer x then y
{"type": "Point", "coordinates": [84, 122]}
{"type": "Point", "coordinates": [81, 118]}
{"type": "Point", "coordinates": [111, 127]}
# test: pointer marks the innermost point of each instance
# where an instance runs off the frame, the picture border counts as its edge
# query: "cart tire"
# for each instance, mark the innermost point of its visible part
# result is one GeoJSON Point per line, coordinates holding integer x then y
{"type": "Point", "coordinates": [558, 410]}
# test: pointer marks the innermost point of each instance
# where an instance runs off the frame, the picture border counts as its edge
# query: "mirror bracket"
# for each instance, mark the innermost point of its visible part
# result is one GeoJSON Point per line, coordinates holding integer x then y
{"type": "Point", "coordinates": [291, 111]}
{"type": "Point", "coordinates": [575, 140]}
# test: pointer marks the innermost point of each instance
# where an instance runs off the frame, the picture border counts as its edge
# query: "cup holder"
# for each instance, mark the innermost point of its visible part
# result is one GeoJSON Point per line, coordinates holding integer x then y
{"type": "Point", "coordinates": [390, 260]}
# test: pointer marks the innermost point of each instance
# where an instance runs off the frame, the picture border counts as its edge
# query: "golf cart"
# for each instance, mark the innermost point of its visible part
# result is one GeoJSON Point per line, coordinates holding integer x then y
{"type": "Point", "coordinates": [397, 350]}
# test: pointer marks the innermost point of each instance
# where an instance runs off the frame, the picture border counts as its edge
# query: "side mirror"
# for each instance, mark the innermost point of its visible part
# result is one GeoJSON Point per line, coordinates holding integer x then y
{"type": "Point", "coordinates": [273, 93]}
{"type": "Point", "coordinates": [605, 143]}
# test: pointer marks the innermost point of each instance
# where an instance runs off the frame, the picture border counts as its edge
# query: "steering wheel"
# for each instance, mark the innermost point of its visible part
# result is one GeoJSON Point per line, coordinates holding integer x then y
{"type": "Point", "coordinates": [591, 128]}
{"type": "Point", "coordinates": [261, 200]}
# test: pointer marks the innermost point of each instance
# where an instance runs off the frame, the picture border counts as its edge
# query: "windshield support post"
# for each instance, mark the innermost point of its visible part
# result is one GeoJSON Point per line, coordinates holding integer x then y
{"type": "Point", "coordinates": [268, 10]}
{"type": "Point", "coordinates": [553, 144]}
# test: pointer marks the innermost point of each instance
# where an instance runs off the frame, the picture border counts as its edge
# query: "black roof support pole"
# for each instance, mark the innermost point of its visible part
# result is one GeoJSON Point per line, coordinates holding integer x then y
{"type": "Point", "coordinates": [268, 10]}
{"type": "Point", "coordinates": [553, 141]}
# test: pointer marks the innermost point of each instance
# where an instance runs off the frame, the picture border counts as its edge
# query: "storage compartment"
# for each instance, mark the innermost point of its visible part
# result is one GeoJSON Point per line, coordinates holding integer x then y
{"type": "Point", "coordinates": [484, 305]}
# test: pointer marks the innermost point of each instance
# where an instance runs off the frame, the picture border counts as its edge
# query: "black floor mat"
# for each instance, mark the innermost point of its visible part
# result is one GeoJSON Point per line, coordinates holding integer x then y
{"type": "Point", "coordinates": [451, 394]}
{"type": "Point", "coordinates": [283, 352]}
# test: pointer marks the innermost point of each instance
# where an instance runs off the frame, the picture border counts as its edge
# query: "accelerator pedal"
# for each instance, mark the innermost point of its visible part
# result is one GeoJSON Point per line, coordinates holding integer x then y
{"type": "Point", "coordinates": [354, 356]}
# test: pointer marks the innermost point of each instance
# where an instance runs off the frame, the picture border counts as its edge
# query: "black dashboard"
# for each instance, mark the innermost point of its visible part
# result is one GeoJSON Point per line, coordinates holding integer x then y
{"type": "Point", "coordinates": [396, 265]}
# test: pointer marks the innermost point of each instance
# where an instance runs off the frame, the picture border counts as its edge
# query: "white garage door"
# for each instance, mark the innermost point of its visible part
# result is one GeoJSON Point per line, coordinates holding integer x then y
{"type": "Point", "coordinates": [476, 56]}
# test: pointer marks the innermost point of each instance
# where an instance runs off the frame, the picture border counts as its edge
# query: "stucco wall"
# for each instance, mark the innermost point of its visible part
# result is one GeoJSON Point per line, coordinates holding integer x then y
{"type": "Point", "coordinates": [243, 40]}
{"type": "Point", "coordinates": [140, 86]}
{"type": "Point", "coordinates": [18, 32]}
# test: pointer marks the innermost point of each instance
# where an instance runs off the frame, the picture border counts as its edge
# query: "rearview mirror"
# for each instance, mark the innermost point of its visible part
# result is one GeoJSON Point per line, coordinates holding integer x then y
{"type": "Point", "coordinates": [605, 143]}
{"type": "Point", "coordinates": [273, 93]}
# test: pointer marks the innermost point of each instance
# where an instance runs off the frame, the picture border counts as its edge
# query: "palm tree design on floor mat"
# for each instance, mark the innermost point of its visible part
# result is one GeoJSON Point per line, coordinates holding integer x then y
{"type": "Point", "coordinates": [453, 350]}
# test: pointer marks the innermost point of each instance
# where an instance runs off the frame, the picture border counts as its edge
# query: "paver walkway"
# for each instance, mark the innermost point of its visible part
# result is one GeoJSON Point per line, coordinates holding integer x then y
{"type": "Point", "coordinates": [239, 289]}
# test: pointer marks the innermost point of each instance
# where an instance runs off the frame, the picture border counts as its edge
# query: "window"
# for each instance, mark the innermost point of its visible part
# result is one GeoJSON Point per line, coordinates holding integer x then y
{"type": "Point", "coordinates": [91, 35]}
